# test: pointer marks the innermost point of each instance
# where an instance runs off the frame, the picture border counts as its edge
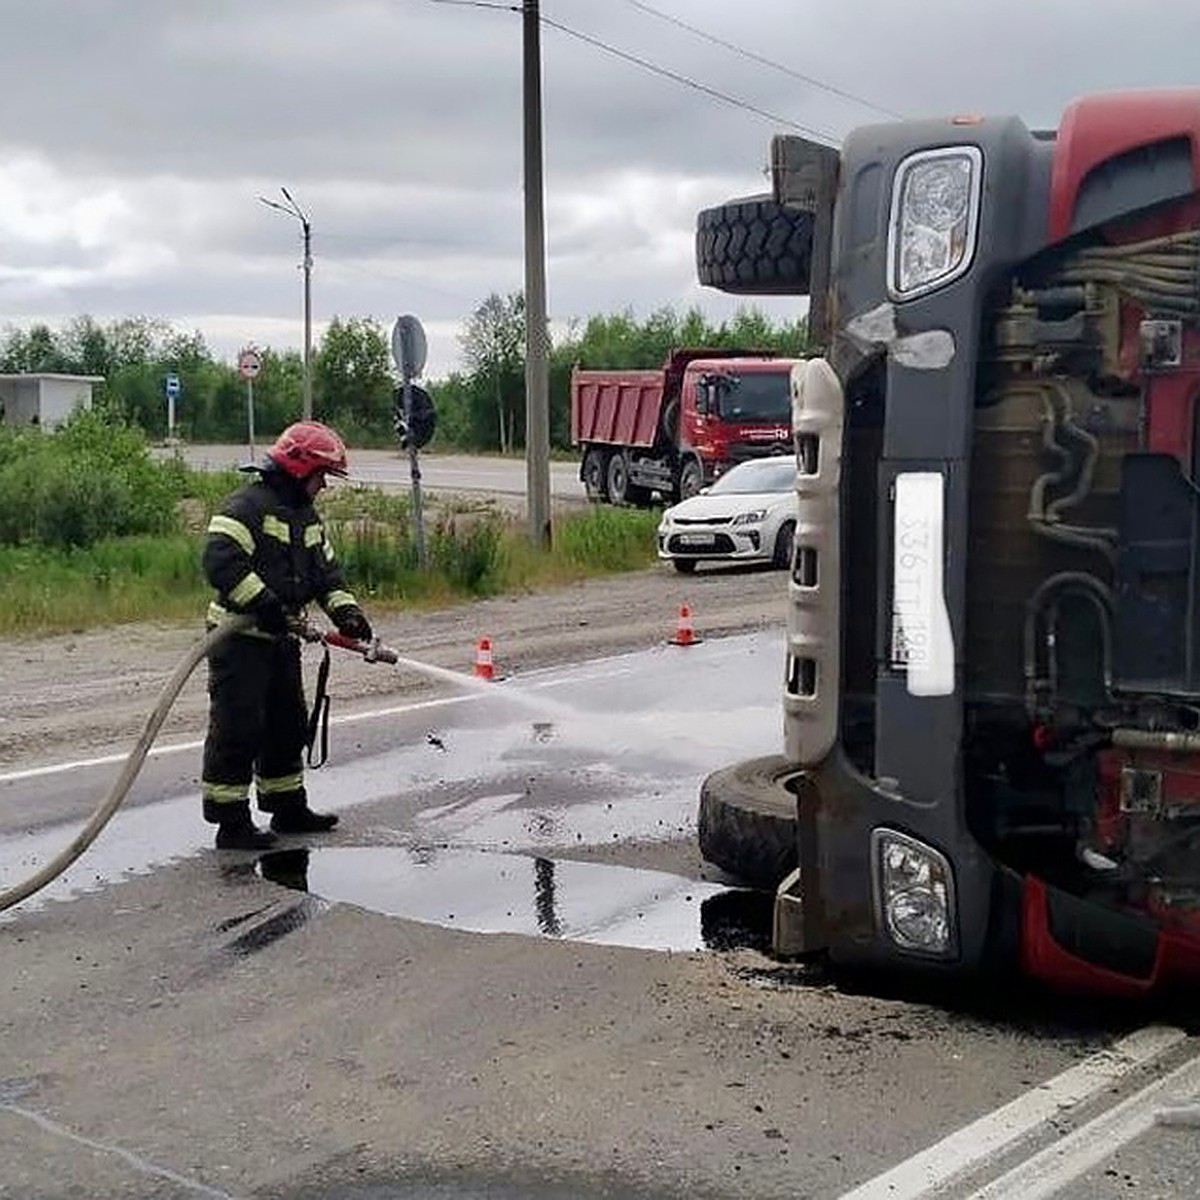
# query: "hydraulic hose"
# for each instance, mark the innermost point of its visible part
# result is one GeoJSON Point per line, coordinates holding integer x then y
{"type": "Point", "coordinates": [131, 768]}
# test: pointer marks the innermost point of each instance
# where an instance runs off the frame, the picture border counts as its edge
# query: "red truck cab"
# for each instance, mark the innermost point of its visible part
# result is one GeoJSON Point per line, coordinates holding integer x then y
{"type": "Point", "coordinates": [674, 430]}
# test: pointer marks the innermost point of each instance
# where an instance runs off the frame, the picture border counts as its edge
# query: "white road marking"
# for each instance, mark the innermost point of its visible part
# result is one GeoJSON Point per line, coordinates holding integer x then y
{"type": "Point", "coordinates": [135, 1161]}
{"type": "Point", "coordinates": [971, 1147]}
{"type": "Point", "coordinates": [1061, 1164]}
{"type": "Point", "coordinates": [179, 747]}
{"type": "Point", "coordinates": [581, 674]}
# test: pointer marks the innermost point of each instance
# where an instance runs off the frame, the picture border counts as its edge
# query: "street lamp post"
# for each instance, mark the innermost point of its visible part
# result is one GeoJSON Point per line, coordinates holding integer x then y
{"type": "Point", "coordinates": [294, 210]}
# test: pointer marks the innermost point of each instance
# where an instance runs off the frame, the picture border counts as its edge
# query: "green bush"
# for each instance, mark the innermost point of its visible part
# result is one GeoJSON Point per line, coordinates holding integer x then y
{"type": "Point", "coordinates": [467, 557]}
{"type": "Point", "coordinates": [91, 479]}
{"type": "Point", "coordinates": [609, 539]}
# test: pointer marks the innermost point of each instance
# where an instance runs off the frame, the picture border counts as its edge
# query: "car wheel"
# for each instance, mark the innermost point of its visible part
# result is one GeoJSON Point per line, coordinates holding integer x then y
{"type": "Point", "coordinates": [782, 557]}
{"type": "Point", "coordinates": [685, 566]}
{"type": "Point", "coordinates": [594, 482]}
{"type": "Point", "coordinates": [747, 820]}
{"type": "Point", "coordinates": [691, 479]}
{"type": "Point", "coordinates": [618, 478]}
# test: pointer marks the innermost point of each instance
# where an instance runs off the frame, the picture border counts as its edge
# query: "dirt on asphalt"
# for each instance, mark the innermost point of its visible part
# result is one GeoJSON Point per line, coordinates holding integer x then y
{"type": "Point", "coordinates": [367, 1056]}
{"type": "Point", "coordinates": [74, 695]}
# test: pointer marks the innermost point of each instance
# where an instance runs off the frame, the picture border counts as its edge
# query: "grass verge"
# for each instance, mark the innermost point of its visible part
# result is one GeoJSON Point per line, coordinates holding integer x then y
{"type": "Point", "coordinates": [470, 553]}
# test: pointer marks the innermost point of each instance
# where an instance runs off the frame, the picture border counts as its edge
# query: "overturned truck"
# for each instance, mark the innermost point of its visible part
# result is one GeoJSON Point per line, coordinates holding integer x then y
{"type": "Point", "coordinates": [992, 682]}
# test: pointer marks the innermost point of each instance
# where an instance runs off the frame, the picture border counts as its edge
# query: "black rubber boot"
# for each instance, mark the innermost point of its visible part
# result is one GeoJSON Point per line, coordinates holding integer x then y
{"type": "Point", "coordinates": [300, 818]}
{"type": "Point", "coordinates": [240, 833]}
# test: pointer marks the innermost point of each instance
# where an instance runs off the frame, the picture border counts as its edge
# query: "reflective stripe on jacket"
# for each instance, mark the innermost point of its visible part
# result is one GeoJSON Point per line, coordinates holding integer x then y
{"type": "Point", "coordinates": [268, 537]}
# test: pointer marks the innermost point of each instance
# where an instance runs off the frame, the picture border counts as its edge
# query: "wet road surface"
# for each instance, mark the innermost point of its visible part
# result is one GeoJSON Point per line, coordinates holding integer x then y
{"type": "Point", "coordinates": [545, 825]}
{"type": "Point", "coordinates": [575, 758]}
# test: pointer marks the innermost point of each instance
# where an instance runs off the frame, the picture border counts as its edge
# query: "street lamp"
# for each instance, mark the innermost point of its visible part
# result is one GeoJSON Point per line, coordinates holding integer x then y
{"type": "Point", "coordinates": [294, 210]}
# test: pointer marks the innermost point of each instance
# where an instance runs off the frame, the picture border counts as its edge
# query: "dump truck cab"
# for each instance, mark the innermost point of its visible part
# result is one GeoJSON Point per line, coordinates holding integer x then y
{"type": "Point", "coordinates": [991, 708]}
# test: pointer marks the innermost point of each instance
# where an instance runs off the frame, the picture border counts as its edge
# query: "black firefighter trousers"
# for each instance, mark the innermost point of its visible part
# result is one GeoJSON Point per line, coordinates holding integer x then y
{"type": "Point", "coordinates": [257, 727]}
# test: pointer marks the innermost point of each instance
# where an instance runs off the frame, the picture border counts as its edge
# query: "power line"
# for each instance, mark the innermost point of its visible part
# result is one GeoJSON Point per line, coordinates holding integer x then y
{"type": "Point", "coordinates": [760, 58]}
{"type": "Point", "coordinates": [654, 68]}
{"type": "Point", "coordinates": [676, 77]}
{"type": "Point", "coordinates": [479, 4]}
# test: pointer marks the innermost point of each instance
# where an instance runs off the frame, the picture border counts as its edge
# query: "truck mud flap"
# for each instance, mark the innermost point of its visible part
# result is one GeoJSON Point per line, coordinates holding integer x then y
{"type": "Point", "coordinates": [812, 680]}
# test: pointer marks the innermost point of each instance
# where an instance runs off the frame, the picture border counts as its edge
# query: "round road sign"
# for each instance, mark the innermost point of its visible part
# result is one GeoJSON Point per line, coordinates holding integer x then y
{"type": "Point", "coordinates": [249, 364]}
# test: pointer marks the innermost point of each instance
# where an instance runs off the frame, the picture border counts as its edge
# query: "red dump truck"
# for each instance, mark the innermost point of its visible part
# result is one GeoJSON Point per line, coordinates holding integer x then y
{"type": "Point", "coordinates": [673, 430]}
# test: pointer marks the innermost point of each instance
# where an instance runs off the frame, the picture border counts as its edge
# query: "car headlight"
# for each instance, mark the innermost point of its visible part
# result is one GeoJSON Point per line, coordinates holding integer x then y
{"type": "Point", "coordinates": [934, 219]}
{"type": "Point", "coordinates": [750, 518]}
{"type": "Point", "coordinates": [914, 891]}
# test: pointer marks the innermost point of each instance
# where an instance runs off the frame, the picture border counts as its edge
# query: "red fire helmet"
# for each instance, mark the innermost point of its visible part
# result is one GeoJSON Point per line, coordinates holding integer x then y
{"type": "Point", "coordinates": [306, 447]}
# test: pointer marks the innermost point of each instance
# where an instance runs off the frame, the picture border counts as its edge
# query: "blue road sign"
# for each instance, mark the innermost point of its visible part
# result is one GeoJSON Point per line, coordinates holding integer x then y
{"type": "Point", "coordinates": [173, 386]}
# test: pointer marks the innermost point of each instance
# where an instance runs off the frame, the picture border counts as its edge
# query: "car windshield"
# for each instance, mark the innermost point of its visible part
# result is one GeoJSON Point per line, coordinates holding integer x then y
{"type": "Point", "coordinates": [763, 396]}
{"type": "Point", "coordinates": [762, 475]}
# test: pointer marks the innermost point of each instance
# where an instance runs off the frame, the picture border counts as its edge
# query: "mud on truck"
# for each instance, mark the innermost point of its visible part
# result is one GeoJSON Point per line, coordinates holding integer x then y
{"type": "Point", "coordinates": [991, 693]}
{"type": "Point", "coordinates": [672, 431]}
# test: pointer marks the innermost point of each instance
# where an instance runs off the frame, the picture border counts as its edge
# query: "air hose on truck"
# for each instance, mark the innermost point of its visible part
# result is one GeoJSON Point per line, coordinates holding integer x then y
{"type": "Point", "coordinates": [137, 756]}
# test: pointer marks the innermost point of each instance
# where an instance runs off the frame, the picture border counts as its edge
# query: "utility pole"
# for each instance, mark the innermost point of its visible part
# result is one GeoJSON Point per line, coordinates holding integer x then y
{"type": "Point", "coordinates": [537, 373]}
{"type": "Point", "coordinates": [294, 210]}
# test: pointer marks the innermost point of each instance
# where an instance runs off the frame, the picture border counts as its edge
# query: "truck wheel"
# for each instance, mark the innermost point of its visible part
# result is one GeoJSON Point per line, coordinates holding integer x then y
{"type": "Point", "coordinates": [755, 247]}
{"type": "Point", "coordinates": [781, 559]}
{"type": "Point", "coordinates": [747, 820]}
{"type": "Point", "coordinates": [618, 478]}
{"type": "Point", "coordinates": [691, 479]}
{"type": "Point", "coordinates": [594, 482]}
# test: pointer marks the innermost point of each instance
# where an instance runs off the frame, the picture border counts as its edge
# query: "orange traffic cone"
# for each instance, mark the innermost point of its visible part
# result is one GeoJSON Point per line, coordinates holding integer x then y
{"type": "Point", "coordinates": [685, 633]}
{"type": "Point", "coordinates": [483, 659]}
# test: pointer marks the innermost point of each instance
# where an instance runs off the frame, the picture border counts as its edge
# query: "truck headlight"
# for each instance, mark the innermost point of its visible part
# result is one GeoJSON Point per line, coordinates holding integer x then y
{"type": "Point", "coordinates": [934, 219]}
{"type": "Point", "coordinates": [914, 892]}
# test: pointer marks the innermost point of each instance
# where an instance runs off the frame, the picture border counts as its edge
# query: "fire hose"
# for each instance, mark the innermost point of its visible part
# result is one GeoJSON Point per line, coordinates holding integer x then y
{"type": "Point", "coordinates": [371, 652]}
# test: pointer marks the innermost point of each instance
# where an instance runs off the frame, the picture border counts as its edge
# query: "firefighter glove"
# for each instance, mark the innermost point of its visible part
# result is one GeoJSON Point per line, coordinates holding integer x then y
{"type": "Point", "coordinates": [353, 623]}
{"type": "Point", "coordinates": [271, 616]}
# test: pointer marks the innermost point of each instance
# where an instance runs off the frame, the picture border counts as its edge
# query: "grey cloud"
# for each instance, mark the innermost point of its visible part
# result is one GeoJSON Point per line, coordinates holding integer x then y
{"type": "Point", "coordinates": [397, 122]}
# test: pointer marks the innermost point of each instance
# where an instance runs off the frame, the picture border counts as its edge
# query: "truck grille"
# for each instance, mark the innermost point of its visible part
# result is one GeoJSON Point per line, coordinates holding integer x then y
{"type": "Point", "coordinates": [739, 452]}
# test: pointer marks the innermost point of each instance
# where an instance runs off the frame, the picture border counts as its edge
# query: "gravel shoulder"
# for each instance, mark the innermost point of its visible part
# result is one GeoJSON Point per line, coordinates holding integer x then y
{"type": "Point", "coordinates": [74, 695]}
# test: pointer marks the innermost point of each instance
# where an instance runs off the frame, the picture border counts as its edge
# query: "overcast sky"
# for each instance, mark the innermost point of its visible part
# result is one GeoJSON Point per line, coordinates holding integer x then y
{"type": "Point", "coordinates": [137, 134]}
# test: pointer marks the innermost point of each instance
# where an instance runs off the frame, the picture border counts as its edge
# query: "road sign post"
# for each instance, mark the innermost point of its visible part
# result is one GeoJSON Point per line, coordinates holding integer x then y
{"type": "Point", "coordinates": [409, 349]}
{"type": "Point", "coordinates": [249, 365]}
{"type": "Point", "coordinates": [172, 387]}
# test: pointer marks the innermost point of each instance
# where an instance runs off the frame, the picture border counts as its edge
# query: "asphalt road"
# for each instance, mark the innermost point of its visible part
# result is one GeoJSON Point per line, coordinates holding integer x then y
{"type": "Point", "coordinates": [456, 473]}
{"type": "Point", "coordinates": [508, 975]}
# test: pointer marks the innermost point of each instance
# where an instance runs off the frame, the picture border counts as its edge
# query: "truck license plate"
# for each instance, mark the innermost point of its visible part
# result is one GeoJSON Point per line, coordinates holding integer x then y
{"type": "Point", "coordinates": [695, 539]}
{"type": "Point", "coordinates": [922, 640]}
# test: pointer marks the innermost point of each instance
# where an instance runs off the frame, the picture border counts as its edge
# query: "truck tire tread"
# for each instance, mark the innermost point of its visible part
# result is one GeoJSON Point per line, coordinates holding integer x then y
{"type": "Point", "coordinates": [754, 247]}
{"type": "Point", "coordinates": [747, 820]}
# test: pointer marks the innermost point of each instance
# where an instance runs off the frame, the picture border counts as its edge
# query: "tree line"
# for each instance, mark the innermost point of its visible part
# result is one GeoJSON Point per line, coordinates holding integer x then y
{"type": "Point", "coordinates": [480, 407]}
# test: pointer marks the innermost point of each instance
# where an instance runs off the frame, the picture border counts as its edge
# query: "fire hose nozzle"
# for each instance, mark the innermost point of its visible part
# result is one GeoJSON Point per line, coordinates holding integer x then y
{"type": "Point", "coordinates": [372, 651]}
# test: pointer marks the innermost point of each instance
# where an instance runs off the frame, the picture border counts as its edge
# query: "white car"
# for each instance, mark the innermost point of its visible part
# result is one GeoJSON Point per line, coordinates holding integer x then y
{"type": "Point", "coordinates": [748, 514]}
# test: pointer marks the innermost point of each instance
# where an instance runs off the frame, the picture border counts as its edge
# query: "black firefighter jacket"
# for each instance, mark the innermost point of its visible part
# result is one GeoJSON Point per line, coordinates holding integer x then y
{"type": "Point", "coordinates": [268, 540]}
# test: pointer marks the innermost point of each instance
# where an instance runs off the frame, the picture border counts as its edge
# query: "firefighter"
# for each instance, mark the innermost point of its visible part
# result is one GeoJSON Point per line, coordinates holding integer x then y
{"type": "Point", "coordinates": [267, 554]}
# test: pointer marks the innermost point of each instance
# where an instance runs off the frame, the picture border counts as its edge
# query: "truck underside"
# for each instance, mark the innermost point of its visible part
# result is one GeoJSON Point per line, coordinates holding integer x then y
{"type": "Point", "coordinates": [993, 712]}
{"type": "Point", "coordinates": [1081, 715]}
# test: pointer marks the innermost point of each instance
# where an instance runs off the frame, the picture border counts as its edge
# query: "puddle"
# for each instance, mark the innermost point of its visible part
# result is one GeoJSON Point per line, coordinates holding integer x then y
{"type": "Point", "coordinates": [484, 892]}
